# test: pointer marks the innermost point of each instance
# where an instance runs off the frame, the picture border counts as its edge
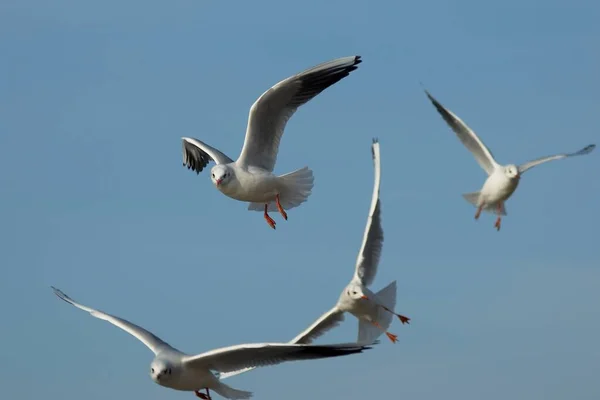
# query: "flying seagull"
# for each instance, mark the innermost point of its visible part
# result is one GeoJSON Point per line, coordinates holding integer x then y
{"type": "Point", "coordinates": [374, 311]}
{"type": "Point", "coordinates": [502, 180]}
{"type": "Point", "coordinates": [176, 370]}
{"type": "Point", "coordinates": [250, 178]}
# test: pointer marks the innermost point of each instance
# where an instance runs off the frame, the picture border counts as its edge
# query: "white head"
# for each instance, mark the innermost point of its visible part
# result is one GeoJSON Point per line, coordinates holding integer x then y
{"type": "Point", "coordinates": [221, 175]}
{"type": "Point", "coordinates": [355, 292]}
{"type": "Point", "coordinates": [161, 371]}
{"type": "Point", "coordinates": [512, 171]}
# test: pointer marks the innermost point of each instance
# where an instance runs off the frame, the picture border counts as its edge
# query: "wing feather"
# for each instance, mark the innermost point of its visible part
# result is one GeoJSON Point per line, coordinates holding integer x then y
{"type": "Point", "coordinates": [530, 164]}
{"type": "Point", "coordinates": [149, 339]}
{"type": "Point", "coordinates": [467, 136]}
{"type": "Point", "coordinates": [271, 111]}
{"type": "Point", "coordinates": [370, 250]}
{"type": "Point", "coordinates": [243, 356]}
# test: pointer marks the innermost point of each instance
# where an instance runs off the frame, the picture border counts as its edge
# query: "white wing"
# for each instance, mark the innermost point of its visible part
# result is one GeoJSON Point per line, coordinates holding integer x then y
{"type": "Point", "coordinates": [154, 343]}
{"type": "Point", "coordinates": [586, 150]}
{"type": "Point", "coordinates": [370, 251]}
{"type": "Point", "coordinates": [271, 112]}
{"type": "Point", "coordinates": [242, 356]}
{"type": "Point", "coordinates": [325, 323]}
{"type": "Point", "coordinates": [482, 154]}
{"type": "Point", "coordinates": [197, 154]}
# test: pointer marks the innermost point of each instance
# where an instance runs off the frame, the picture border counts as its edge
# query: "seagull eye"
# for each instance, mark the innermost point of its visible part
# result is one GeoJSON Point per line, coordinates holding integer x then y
{"type": "Point", "coordinates": [213, 175]}
{"type": "Point", "coordinates": [152, 370]}
{"type": "Point", "coordinates": [353, 292]}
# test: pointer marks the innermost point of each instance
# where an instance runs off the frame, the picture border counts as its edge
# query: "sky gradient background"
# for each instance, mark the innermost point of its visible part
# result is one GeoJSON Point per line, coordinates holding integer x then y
{"type": "Point", "coordinates": [95, 96]}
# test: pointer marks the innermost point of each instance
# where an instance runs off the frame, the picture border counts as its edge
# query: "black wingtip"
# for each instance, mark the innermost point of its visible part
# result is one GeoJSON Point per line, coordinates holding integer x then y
{"type": "Point", "coordinates": [357, 60]}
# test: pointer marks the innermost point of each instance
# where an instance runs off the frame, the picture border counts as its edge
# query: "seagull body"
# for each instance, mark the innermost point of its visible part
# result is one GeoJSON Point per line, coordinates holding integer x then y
{"type": "Point", "coordinates": [176, 370]}
{"type": "Point", "coordinates": [250, 178]}
{"type": "Point", "coordinates": [374, 311]}
{"type": "Point", "coordinates": [502, 180]}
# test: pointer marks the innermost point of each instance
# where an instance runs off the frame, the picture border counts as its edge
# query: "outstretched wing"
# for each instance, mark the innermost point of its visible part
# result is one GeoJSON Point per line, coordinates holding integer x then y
{"type": "Point", "coordinates": [325, 323]}
{"type": "Point", "coordinates": [482, 154]}
{"type": "Point", "coordinates": [530, 164]}
{"type": "Point", "coordinates": [271, 112]}
{"type": "Point", "coordinates": [370, 251]}
{"type": "Point", "coordinates": [242, 356]}
{"type": "Point", "coordinates": [154, 343]}
{"type": "Point", "coordinates": [197, 154]}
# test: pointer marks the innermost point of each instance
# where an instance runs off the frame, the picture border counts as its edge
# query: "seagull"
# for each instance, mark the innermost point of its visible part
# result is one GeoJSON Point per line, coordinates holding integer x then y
{"type": "Point", "coordinates": [250, 178]}
{"type": "Point", "coordinates": [502, 180]}
{"type": "Point", "coordinates": [176, 370]}
{"type": "Point", "coordinates": [374, 311]}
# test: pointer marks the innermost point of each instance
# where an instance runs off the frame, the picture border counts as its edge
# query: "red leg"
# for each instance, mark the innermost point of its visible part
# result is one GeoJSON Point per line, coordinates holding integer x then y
{"type": "Point", "coordinates": [402, 318]}
{"type": "Point", "coordinates": [281, 210]}
{"type": "Point", "coordinates": [498, 220]}
{"type": "Point", "coordinates": [269, 220]}
{"type": "Point", "coordinates": [202, 395]}
{"type": "Point", "coordinates": [478, 213]}
{"type": "Point", "coordinates": [391, 336]}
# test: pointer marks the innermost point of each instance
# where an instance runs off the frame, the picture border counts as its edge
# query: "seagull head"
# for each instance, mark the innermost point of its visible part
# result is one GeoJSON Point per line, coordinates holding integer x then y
{"type": "Point", "coordinates": [355, 292]}
{"type": "Point", "coordinates": [161, 371]}
{"type": "Point", "coordinates": [512, 171]}
{"type": "Point", "coordinates": [221, 174]}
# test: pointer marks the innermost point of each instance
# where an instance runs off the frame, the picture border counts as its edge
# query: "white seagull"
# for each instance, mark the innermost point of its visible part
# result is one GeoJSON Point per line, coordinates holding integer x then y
{"type": "Point", "coordinates": [176, 370]}
{"type": "Point", "coordinates": [502, 180]}
{"type": "Point", "coordinates": [374, 311]}
{"type": "Point", "coordinates": [250, 178]}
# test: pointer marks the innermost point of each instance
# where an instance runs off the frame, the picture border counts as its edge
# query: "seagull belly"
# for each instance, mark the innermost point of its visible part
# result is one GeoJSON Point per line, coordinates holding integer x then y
{"type": "Point", "coordinates": [498, 188]}
{"type": "Point", "coordinates": [253, 187]}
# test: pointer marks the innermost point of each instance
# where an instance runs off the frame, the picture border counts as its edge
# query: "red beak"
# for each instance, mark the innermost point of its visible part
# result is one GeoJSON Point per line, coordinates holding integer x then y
{"type": "Point", "coordinates": [364, 297]}
{"type": "Point", "coordinates": [219, 181]}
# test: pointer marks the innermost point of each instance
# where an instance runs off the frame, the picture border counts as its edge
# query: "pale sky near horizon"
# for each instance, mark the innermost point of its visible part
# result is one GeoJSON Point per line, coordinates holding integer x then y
{"type": "Point", "coordinates": [94, 100]}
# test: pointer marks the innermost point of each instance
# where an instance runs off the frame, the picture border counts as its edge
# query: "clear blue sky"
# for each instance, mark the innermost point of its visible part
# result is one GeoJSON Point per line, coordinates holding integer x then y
{"type": "Point", "coordinates": [95, 96]}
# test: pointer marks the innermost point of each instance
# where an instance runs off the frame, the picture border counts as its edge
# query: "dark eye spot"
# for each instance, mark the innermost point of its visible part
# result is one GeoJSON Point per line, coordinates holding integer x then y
{"type": "Point", "coordinates": [353, 292]}
{"type": "Point", "coordinates": [152, 370]}
{"type": "Point", "coordinates": [213, 175]}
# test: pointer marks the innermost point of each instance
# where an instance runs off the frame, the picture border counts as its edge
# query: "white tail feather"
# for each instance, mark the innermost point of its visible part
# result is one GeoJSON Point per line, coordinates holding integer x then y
{"type": "Point", "coordinates": [367, 332]}
{"type": "Point", "coordinates": [230, 393]}
{"type": "Point", "coordinates": [295, 189]}
{"type": "Point", "coordinates": [473, 198]}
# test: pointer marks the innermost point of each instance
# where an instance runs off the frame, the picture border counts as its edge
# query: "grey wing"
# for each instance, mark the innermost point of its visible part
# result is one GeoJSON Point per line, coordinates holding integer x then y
{"type": "Point", "coordinates": [586, 150]}
{"type": "Point", "coordinates": [243, 356]}
{"type": "Point", "coordinates": [271, 112]}
{"type": "Point", "coordinates": [150, 340]}
{"type": "Point", "coordinates": [197, 155]}
{"type": "Point", "coordinates": [467, 136]}
{"type": "Point", "coordinates": [325, 323]}
{"type": "Point", "coordinates": [372, 244]}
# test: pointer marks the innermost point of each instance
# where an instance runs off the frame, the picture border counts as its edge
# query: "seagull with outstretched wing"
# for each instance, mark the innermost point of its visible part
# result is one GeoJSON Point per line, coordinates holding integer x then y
{"type": "Point", "coordinates": [374, 311]}
{"type": "Point", "coordinates": [176, 370]}
{"type": "Point", "coordinates": [502, 180]}
{"type": "Point", "coordinates": [250, 178]}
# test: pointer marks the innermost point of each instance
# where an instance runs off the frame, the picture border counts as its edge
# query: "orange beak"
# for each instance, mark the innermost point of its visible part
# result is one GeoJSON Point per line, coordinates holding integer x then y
{"type": "Point", "coordinates": [364, 297]}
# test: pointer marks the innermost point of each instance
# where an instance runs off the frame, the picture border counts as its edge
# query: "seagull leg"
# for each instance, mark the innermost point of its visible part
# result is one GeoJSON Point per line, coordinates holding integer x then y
{"type": "Point", "coordinates": [498, 220]}
{"type": "Point", "coordinates": [269, 220]}
{"type": "Point", "coordinates": [402, 318]}
{"type": "Point", "coordinates": [478, 213]}
{"type": "Point", "coordinates": [281, 210]}
{"type": "Point", "coordinates": [391, 336]}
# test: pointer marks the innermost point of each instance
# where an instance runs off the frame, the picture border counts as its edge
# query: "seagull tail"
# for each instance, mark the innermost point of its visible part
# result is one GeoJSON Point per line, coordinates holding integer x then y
{"type": "Point", "coordinates": [367, 332]}
{"type": "Point", "coordinates": [473, 198]}
{"type": "Point", "coordinates": [230, 393]}
{"type": "Point", "coordinates": [295, 188]}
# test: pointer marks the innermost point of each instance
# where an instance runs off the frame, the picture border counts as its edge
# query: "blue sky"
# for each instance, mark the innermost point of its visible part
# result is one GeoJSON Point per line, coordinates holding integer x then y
{"type": "Point", "coordinates": [95, 96]}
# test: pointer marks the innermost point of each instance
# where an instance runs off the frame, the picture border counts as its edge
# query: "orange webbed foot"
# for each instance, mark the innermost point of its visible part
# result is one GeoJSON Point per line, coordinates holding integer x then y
{"type": "Point", "coordinates": [269, 220]}
{"type": "Point", "coordinates": [392, 337]}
